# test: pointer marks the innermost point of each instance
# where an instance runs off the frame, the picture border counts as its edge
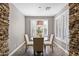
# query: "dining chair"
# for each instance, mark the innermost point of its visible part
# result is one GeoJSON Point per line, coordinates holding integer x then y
{"type": "Point", "coordinates": [28, 42]}
{"type": "Point", "coordinates": [38, 46]}
{"type": "Point", "coordinates": [49, 42]}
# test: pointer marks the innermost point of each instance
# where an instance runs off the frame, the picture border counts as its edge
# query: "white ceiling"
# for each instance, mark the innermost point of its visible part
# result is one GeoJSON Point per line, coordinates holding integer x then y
{"type": "Point", "coordinates": [32, 9]}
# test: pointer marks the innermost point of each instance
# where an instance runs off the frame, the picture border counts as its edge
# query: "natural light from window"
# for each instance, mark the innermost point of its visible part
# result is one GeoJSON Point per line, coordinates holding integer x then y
{"type": "Point", "coordinates": [39, 28]}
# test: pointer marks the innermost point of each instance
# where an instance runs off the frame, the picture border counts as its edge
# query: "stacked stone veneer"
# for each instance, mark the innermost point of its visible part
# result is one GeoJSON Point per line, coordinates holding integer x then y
{"type": "Point", "coordinates": [4, 23]}
{"type": "Point", "coordinates": [74, 29]}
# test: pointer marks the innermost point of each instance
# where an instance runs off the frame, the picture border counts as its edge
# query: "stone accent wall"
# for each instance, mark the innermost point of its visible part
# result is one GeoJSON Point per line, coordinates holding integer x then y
{"type": "Point", "coordinates": [74, 29]}
{"type": "Point", "coordinates": [4, 23]}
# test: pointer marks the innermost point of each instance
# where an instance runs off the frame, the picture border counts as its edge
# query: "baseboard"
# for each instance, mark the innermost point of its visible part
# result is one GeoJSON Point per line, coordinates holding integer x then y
{"type": "Point", "coordinates": [61, 48]}
{"type": "Point", "coordinates": [57, 38]}
{"type": "Point", "coordinates": [16, 49]}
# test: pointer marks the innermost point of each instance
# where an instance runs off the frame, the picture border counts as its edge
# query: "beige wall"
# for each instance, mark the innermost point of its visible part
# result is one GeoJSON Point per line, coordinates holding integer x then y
{"type": "Point", "coordinates": [50, 23]}
{"type": "Point", "coordinates": [16, 28]}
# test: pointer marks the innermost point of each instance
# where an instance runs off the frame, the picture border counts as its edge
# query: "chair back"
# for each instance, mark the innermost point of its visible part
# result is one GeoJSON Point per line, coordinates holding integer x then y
{"type": "Point", "coordinates": [51, 37]}
{"type": "Point", "coordinates": [38, 44]}
{"type": "Point", "coordinates": [26, 38]}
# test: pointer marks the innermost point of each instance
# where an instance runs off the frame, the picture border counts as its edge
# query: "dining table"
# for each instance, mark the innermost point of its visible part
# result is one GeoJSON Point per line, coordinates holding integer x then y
{"type": "Point", "coordinates": [45, 38]}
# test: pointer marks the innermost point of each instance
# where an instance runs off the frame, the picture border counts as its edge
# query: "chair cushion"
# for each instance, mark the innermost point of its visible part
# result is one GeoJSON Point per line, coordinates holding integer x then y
{"type": "Point", "coordinates": [47, 42]}
{"type": "Point", "coordinates": [30, 43]}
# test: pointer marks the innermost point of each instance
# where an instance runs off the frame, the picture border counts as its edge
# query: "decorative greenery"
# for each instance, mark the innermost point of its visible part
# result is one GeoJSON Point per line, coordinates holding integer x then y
{"type": "Point", "coordinates": [39, 32]}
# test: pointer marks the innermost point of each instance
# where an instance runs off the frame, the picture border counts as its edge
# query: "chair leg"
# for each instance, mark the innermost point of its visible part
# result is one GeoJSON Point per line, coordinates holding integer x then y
{"type": "Point", "coordinates": [34, 53]}
{"type": "Point", "coordinates": [42, 53]}
{"type": "Point", "coordinates": [45, 47]}
{"type": "Point", "coordinates": [26, 49]}
{"type": "Point", "coordinates": [52, 48]}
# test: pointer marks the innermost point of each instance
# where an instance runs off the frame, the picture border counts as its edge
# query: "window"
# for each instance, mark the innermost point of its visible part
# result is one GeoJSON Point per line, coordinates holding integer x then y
{"type": "Point", "coordinates": [62, 27]}
{"type": "Point", "coordinates": [39, 27]}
